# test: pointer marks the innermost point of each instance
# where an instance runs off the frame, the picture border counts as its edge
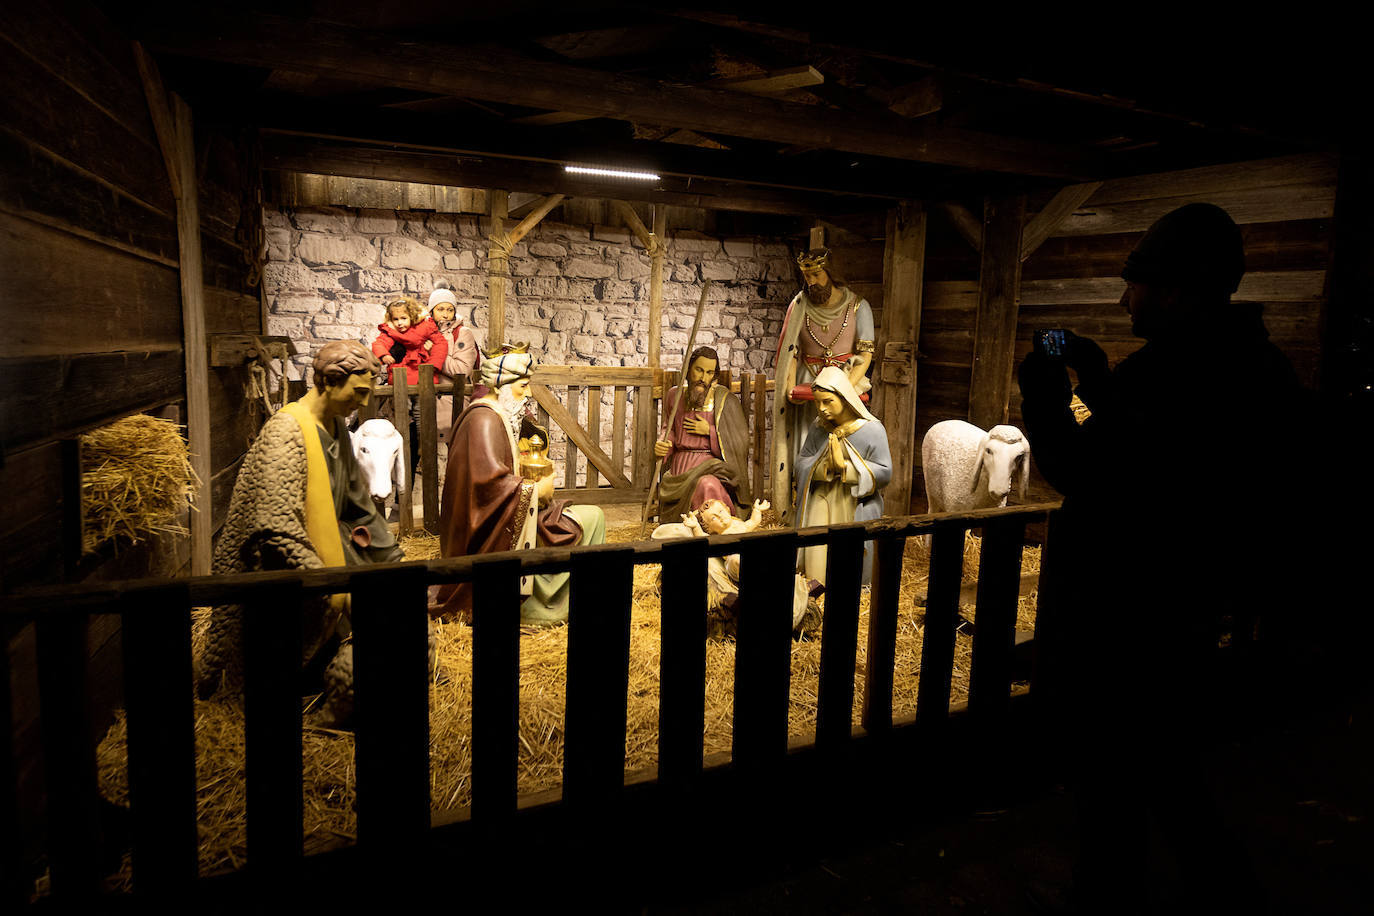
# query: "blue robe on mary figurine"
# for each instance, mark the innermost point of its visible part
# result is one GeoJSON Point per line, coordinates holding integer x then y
{"type": "Point", "coordinates": [842, 467]}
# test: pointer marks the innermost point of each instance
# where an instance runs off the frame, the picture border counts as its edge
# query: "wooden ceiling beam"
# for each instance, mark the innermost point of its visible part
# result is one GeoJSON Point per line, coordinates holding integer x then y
{"type": "Point", "coordinates": [324, 157]}
{"type": "Point", "coordinates": [495, 75]}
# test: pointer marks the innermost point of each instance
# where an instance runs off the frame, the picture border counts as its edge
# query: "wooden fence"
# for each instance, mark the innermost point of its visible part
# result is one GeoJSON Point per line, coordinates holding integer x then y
{"type": "Point", "coordinates": [559, 393]}
{"type": "Point", "coordinates": [393, 804]}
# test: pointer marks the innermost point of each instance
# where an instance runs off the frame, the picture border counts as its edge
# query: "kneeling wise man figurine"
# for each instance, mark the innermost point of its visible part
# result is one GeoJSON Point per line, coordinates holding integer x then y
{"type": "Point", "coordinates": [488, 506]}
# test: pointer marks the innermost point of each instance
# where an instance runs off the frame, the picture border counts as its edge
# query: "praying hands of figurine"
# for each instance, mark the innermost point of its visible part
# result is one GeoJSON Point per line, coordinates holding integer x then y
{"type": "Point", "coordinates": [836, 465]}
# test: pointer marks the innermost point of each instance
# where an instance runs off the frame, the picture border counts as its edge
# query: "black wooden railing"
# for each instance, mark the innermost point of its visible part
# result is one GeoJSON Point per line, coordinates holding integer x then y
{"type": "Point", "coordinates": [391, 683]}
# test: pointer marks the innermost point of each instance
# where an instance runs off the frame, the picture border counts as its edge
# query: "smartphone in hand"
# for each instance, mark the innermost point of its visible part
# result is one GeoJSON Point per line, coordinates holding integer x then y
{"type": "Point", "coordinates": [1051, 342]}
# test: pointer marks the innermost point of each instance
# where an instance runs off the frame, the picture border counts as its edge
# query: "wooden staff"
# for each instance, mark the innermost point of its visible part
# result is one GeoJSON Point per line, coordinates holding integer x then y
{"type": "Point", "coordinates": [672, 415]}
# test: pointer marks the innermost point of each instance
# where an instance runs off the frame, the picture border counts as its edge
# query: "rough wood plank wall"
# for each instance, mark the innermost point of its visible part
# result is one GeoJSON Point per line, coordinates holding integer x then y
{"type": "Point", "coordinates": [1284, 207]}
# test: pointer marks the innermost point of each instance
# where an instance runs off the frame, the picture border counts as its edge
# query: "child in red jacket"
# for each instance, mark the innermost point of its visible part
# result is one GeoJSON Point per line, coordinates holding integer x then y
{"type": "Point", "coordinates": [407, 340]}
{"type": "Point", "coordinates": [402, 339]}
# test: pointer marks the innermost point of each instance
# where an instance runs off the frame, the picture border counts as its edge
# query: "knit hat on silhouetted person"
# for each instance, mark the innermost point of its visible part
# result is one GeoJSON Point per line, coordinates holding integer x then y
{"type": "Point", "coordinates": [1197, 246]}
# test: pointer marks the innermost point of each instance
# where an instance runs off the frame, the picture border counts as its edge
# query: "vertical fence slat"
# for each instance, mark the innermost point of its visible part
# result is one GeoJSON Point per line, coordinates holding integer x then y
{"type": "Point", "coordinates": [882, 634]}
{"type": "Point", "coordinates": [156, 632]}
{"type": "Point", "coordinates": [13, 894]}
{"type": "Point", "coordinates": [495, 690]}
{"type": "Point", "coordinates": [272, 732]}
{"type": "Point", "coordinates": [682, 691]}
{"type": "Point", "coordinates": [429, 448]}
{"type": "Point", "coordinates": [994, 634]}
{"type": "Point", "coordinates": [942, 612]}
{"type": "Point", "coordinates": [839, 640]}
{"type": "Point", "coordinates": [391, 709]}
{"type": "Point", "coordinates": [761, 458]}
{"type": "Point", "coordinates": [1048, 620]}
{"type": "Point", "coordinates": [369, 410]}
{"type": "Point", "coordinates": [460, 393]}
{"type": "Point", "coordinates": [598, 677]}
{"type": "Point", "coordinates": [574, 404]}
{"type": "Point", "coordinates": [644, 431]}
{"type": "Point", "coordinates": [68, 754]}
{"type": "Point", "coordinates": [593, 429]}
{"type": "Point", "coordinates": [763, 652]}
{"type": "Point", "coordinates": [745, 400]}
{"type": "Point", "coordinates": [400, 399]}
{"type": "Point", "coordinates": [618, 430]}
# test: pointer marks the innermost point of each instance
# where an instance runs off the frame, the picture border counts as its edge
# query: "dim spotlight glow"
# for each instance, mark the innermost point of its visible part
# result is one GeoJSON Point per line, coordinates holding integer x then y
{"type": "Point", "coordinates": [610, 173]}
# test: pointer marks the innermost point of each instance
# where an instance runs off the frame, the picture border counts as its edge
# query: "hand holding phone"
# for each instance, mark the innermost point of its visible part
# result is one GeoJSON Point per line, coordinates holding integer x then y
{"type": "Point", "coordinates": [1051, 342]}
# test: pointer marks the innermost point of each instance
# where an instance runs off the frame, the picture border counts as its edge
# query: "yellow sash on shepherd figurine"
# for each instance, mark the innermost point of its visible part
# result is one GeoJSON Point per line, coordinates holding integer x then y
{"type": "Point", "coordinates": [321, 522]}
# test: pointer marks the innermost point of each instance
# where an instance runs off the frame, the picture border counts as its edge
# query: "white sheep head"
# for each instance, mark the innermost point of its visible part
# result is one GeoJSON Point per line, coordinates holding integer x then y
{"type": "Point", "coordinates": [1003, 452]}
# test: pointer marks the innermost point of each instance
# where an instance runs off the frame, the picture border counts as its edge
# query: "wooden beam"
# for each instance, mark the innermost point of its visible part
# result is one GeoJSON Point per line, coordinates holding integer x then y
{"type": "Point", "coordinates": [994, 338]}
{"type": "Point", "coordinates": [783, 80]}
{"type": "Point", "coordinates": [328, 157]}
{"type": "Point", "coordinates": [968, 225]}
{"type": "Point", "coordinates": [816, 239]}
{"type": "Point", "coordinates": [522, 202]}
{"type": "Point", "coordinates": [161, 113]}
{"type": "Point", "coordinates": [1043, 224]}
{"type": "Point", "coordinates": [656, 255]}
{"type": "Point", "coordinates": [896, 394]}
{"type": "Point", "coordinates": [534, 216]}
{"type": "Point", "coordinates": [915, 100]}
{"type": "Point", "coordinates": [490, 74]}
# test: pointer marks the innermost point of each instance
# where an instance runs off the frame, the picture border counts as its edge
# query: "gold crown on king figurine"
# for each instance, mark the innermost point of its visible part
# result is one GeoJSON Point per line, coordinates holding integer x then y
{"type": "Point", "coordinates": [815, 259]}
{"type": "Point", "coordinates": [506, 349]}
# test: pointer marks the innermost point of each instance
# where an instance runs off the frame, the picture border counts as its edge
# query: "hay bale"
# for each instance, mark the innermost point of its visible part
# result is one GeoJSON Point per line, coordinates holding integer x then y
{"type": "Point", "coordinates": [136, 479]}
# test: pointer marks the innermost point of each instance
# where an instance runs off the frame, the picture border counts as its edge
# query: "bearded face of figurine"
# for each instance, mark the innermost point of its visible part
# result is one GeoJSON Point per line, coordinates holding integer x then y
{"type": "Point", "coordinates": [700, 376]}
{"type": "Point", "coordinates": [818, 286]}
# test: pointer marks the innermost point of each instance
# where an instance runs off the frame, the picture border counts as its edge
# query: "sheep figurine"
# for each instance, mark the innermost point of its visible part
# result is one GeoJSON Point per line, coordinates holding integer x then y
{"type": "Point", "coordinates": [966, 468]}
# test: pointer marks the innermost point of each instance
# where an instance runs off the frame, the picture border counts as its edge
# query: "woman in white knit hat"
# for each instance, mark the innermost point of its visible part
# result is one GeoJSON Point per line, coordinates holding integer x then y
{"type": "Point", "coordinates": [462, 360]}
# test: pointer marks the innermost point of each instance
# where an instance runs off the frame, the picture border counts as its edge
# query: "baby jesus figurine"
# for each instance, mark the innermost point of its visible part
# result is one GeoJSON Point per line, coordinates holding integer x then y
{"type": "Point", "coordinates": [722, 573]}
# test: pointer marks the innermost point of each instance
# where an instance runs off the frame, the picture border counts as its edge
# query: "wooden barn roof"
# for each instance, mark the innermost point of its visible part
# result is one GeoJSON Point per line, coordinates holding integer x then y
{"type": "Point", "coordinates": [748, 110]}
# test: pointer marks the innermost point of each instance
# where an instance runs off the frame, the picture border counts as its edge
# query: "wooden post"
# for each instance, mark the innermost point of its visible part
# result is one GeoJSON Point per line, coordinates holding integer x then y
{"type": "Point", "coordinates": [656, 244]}
{"type": "Point", "coordinates": [498, 270]}
{"type": "Point", "coordinates": [156, 631]}
{"type": "Point", "coordinates": [391, 712]}
{"type": "Point", "coordinates": [999, 295]}
{"type": "Point", "coordinates": [574, 407]}
{"type": "Point", "coordinates": [272, 732]}
{"type": "Point", "coordinates": [994, 635]}
{"type": "Point", "coordinates": [942, 613]}
{"type": "Point", "coordinates": [763, 653]}
{"type": "Point", "coordinates": [882, 634]}
{"type": "Point", "coordinates": [656, 255]}
{"type": "Point", "coordinates": [498, 265]}
{"type": "Point", "coordinates": [682, 694]}
{"type": "Point", "coordinates": [895, 397]}
{"type": "Point", "coordinates": [598, 678]}
{"type": "Point", "coordinates": [817, 237]}
{"type": "Point", "coordinates": [844, 561]}
{"type": "Point", "coordinates": [400, 403]}
{"type": "Point", "coordinates": [429, 448]}
{"type": "Point", "coordinates": [495, 691]}
{"type": "Point", "coordinates": [760, 420]}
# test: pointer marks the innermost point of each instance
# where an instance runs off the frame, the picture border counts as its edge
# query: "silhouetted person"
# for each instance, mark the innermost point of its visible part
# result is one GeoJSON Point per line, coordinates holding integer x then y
{"type": "Point", "coordinates": [1168, 541]}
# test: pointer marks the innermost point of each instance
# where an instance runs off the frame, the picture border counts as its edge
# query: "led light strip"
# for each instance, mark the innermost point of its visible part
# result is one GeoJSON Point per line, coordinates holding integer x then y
{"type": "Point", "coordinates": [610, 173]}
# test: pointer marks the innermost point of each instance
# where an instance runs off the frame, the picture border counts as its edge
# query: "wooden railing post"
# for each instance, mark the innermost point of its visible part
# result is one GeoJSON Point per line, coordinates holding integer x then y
{"type": "Point", "coordinates": [598, 678]}
{"type": "Point", "coordinates": [391, 710]}
{"type": "Point", "coordinates": [495, 691]}
{"type": "Point", "coordinates": [763, 652]}
{"type": "Point", "coordinates": [156, 632]}
{"type": "Point", "coordinates": [994, 633]}
{"type": "Point", "coordinates": [593, 429]}
{"type": "Point", "coordinates": [682, 694]}
{"type": "Point", "coordinates": [429, 448]}
{"type": "Point", "coordinates": [839, 640]}
{"type": "Point", "coordinates": [882, 634]}
{"type": "Point", "coordinates": [574, 407]}
{"type": "Point", "coordinates": [69, 769]}
{"type": "Point", "coordinates": [761, 457]}
{"type": "Point", "coordinates": [942, 614]}
{"type": "Point", "coordinates": [272, 732]}
{"type": "Point", "coordinates": [400, 401]}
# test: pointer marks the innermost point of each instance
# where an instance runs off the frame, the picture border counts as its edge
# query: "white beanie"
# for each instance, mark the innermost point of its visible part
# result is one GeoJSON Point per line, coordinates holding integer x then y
{"type": "Point", "coordinates": [442, 295]}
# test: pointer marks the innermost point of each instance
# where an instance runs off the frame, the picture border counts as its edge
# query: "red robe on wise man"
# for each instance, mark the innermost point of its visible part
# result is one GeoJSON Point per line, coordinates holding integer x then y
{"type": "Point", "coordinates": [705, 467]}
{"type": "Point", "coordinates": [486, 502]}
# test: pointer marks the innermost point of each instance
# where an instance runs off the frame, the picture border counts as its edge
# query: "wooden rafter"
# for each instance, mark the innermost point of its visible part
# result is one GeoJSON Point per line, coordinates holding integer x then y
{"type": "Point", "coordinates": [500, 76]}
{"type": "Point", "coordinates": [1063, 204]}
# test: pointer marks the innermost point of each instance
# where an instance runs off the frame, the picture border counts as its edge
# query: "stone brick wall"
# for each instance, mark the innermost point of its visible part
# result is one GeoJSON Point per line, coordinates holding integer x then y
{"type": "Point", "coordinates": [578, 294]}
